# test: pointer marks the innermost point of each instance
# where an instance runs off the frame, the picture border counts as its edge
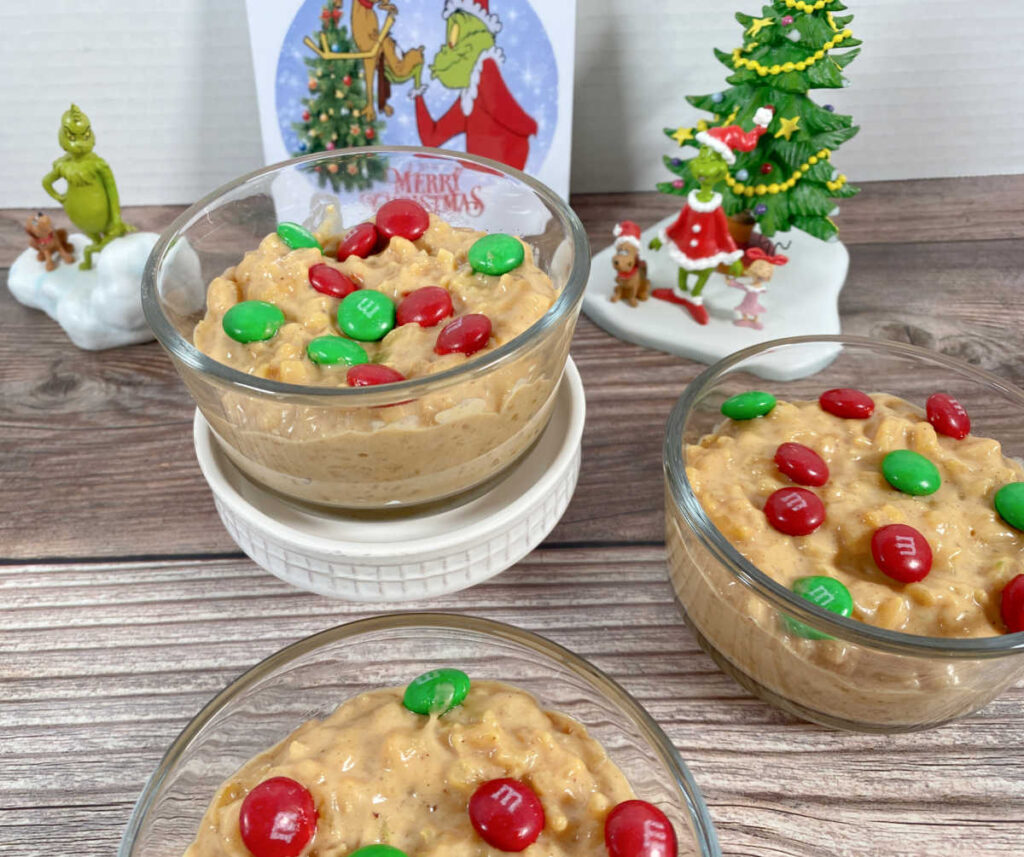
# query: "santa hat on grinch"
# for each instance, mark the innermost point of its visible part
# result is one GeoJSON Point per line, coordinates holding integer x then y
{"type": "Point", "coordinates": [478, 8]}
{"type": "Point", "coordinates": [627, 232]}
{"type": "Point", "coordinates": [728, 138]}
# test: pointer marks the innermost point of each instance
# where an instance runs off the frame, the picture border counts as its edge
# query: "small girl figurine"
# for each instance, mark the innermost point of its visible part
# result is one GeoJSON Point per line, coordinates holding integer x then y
{"type": "Point", "coordinates": [760, 266]}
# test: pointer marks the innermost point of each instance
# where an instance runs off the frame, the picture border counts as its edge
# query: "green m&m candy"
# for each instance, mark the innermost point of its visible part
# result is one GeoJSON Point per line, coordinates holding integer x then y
{"type": "Point", "coordinates": [1009, 502]}
{"type": "Point", "coordinates": [296, 236]}
{"type": "Point", "coordinates": [828, 593]}
{"type": "Point", "coordinates": [496, 254]}
{"type": "Point", "coordinates": [366, 315]}
{"type": "Point", "coordinates": [328, 350]}
{"type": "Point", "coordinates": [378, 850]}
{"type": "Point", "coordinates": [911, 473]}
{"type": "Point", "coordinates": [749, 405]}
{"type": "Point", "coordinates": [437, 691]}
{"type": "Point", "coordinates": [252, 321]}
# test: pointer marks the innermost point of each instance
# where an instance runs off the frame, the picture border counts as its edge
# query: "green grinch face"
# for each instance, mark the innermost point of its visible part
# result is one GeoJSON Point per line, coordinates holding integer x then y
{"type": "Point", "coordinates": [708, 168]}
{"type": "Point", "coordinates": [75, 135]}
{"type": "Point", "coordinates": [467, 39]}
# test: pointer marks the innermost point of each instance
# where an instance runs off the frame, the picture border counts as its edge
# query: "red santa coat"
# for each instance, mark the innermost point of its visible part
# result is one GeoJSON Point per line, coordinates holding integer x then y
{"type": "Point", "coordinates": [487, 113]}
{"type": "Point", "coordinates": [699, 239]}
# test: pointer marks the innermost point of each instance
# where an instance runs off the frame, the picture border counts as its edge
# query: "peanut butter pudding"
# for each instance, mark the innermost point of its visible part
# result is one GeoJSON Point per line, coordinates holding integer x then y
{"type": "Point", "coordinates": [869, 507]}
{"type": "Point", "coordinates": [402, 297]}
{"type": "Point", "coordinates": [408, 294]}
{"type": "Point", "coordinates": [442, 768]}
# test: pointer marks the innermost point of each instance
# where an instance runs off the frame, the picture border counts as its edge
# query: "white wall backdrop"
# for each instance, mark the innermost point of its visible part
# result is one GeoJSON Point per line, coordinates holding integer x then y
{"type": "Point", "coordinates": [938, 89]}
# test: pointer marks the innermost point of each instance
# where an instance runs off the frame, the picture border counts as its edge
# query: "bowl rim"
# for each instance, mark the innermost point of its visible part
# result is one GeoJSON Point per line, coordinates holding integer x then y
{"type": "Point", "coordinates": [570, 296]}
{"type": "Point", "coordinates": [700, 819]}
{"type": "Point", "coordinates": [739, 567]}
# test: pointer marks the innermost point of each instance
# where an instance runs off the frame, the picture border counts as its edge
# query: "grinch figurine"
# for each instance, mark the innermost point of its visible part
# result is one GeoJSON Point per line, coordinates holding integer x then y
{"type": "Point", "coordinates": [99, 302]}
{"type": "Point", "coordinates": [90, 200]}
{"type": "Point", "coordinates": [699, 240]}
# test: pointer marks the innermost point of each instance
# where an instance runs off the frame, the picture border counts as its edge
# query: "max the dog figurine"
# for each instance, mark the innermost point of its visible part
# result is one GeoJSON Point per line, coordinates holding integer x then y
{"type": "Point", "coordinates": [47, 241]}
{"type": "Point", "coordinates": [631, 283]}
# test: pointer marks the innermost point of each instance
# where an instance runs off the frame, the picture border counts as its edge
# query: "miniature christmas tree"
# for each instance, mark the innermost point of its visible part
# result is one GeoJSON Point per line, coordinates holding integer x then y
{"type": "Point", "coordinates": [788, 180]}
{"type": "Point", "coordinates": [332, 117]}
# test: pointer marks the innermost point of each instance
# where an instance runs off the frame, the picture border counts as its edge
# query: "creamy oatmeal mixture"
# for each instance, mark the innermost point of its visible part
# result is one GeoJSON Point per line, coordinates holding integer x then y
{"type": "Point", "coordinates": [379, 773]}
{"type": "Point", "coordinates": [275, 273]}
{"type": "Point", "coordinates": [975, 553]}
{"type": "Point", "coordinates": [422, 449]}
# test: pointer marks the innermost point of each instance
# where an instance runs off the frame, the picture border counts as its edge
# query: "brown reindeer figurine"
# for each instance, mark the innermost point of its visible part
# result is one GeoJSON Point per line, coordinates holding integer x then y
{"type": "Point", "coordinates": [47, 241]}
{"type": "Point", "coordinates": [631, 283]}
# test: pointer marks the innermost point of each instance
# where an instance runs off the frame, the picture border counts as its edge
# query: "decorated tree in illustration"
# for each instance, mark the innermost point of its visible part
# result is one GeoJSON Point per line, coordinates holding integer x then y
{"type": "Point", "coordinates": [332, 115]}
{"type": "Point", "coordinates": [788, 180]}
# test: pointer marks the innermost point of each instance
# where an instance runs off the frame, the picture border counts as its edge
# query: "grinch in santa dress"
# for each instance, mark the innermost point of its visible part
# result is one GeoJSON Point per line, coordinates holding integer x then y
{"type": "Point", "coordinates": [699, 240]}
{"type": "Point", "coordinates": [485, 111]}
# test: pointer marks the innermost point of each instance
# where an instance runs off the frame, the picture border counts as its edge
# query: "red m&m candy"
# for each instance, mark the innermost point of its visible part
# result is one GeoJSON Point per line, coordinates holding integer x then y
{"type": "Point", "coordinates": [426, 307]}
{"type": "Point", "coordinates": [362, 241]}
{"type": "Point", "coordinates": [372, 374]}
{"type": "Point", "coordinates": [466, 335]}
{"type": "Point", "coordinates": [801, 464]}
{"type": "Point", "coordinates": [636, 828]}
{"type": "Point", "coordinates": [948, 416]}
{"type": "Point", "coordinates": [1012, 604]}
{"type": "Point", "coordinates": [330, 281]}
{"type": "Point", "coordinates": [507, 814]}
{"type": "Point", "coordinates": [901, 552]}
{"type": "Point", "coordinates": [794, 511]}
{"type": "Point", "coordinates": [847, 403]}
{"type": "Point", "coordinates": [402, 218]}
{"type": "Point", "coordinates": [277, 818]}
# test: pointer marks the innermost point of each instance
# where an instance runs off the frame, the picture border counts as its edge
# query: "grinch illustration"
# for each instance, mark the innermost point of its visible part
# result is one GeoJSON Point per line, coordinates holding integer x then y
{"type": "Point", "coordinates": [485, 111]}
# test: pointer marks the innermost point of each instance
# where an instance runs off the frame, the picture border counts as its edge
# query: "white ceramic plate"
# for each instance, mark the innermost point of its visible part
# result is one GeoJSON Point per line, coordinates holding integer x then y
{"type": "Point", "coordinates": [412, 557]}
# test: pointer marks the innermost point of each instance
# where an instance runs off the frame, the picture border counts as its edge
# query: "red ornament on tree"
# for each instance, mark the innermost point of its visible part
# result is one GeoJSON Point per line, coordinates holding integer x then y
{"type": "Point", "coordinates": [336, 14]}
{"type": "Point", "coordinates": [369, 133]}
{"type": "Point", "coordinates": [766, 169]}
{"type": "Point", "coordinates": [312, 83]}
{"type": "Point", "coordinates": [305, 115]}
{"type": "Point", "coordinates": [347, 80]}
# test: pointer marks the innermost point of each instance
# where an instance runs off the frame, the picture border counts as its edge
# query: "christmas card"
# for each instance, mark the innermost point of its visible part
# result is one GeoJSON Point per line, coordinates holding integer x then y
{"type": "Point", "coordinates": [489, 77]}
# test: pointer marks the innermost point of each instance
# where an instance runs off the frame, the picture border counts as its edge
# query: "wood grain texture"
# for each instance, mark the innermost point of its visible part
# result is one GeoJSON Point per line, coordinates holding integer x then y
{"type": "Point", "coordinates": [105, 663]}
{"type": "Point", "coordinates": [124, 606]}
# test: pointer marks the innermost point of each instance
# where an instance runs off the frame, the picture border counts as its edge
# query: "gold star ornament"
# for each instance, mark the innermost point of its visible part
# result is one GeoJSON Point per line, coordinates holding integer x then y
{"type": "Point", "coordinates": [787, 127]}
{"type": "Point", "coordinates": [757, 25]}
{"type": "Point", "coordinates": [682, 135]}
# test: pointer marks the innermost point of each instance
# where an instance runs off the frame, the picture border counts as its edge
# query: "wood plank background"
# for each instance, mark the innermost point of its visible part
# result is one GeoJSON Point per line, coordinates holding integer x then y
{"type": "Point", "coordinates": [124, 605]}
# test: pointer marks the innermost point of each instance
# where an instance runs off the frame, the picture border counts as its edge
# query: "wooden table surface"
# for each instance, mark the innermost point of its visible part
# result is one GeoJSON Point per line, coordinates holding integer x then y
{"type": "Point", "coordinates": [124, 605]}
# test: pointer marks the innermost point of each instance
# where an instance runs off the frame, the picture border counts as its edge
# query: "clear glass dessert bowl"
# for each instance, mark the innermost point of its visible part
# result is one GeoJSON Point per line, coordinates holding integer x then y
{"type": "Point", "coordinates": [313, 676]}
{"type": "Point", "coordinates": [419, 441]}
{"type": "Point", "coordinates": [846, 674]}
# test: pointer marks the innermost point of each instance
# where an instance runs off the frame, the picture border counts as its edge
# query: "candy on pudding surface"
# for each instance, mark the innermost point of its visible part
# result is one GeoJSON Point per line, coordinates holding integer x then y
{"type": "Point", "coordinates": [490, 772]}
{"type": "Point", "coordinates": [922, 527]}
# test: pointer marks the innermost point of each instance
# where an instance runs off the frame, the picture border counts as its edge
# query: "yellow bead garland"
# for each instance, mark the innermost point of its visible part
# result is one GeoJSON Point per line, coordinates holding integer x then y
{"type": "Point", "coordinates": [740, 61]}
{"type": "Point", "coordinates": [801, 6]}
{"type": "Point", "coordinates": [741, 189]}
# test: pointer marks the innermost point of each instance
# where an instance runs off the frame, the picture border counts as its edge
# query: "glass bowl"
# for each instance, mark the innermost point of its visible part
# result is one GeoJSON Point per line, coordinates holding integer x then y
{"type": "Point", "coordinates": [313, 676]}
{"type": "Point", "coordinates": [859, 677]}
{"type": "Point", "coordinates": [420, 441]}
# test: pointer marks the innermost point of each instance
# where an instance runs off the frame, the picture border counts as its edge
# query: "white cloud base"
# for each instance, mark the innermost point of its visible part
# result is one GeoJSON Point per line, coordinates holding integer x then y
{"type": "Point", "coordinates": [98, 309]}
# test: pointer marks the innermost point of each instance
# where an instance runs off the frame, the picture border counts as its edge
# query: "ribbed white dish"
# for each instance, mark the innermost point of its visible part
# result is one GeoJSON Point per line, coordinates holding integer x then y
{"type": "Point", "coordinates": [413, 557]}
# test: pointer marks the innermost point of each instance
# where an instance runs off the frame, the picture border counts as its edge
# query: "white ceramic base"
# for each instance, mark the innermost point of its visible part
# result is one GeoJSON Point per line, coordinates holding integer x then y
{"type": "Point", "coordinates": [801, 299]}
{"type": "Point", "coordinates": [99, 308]}
{"type": "Point", "coordinates": [418, 556]}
